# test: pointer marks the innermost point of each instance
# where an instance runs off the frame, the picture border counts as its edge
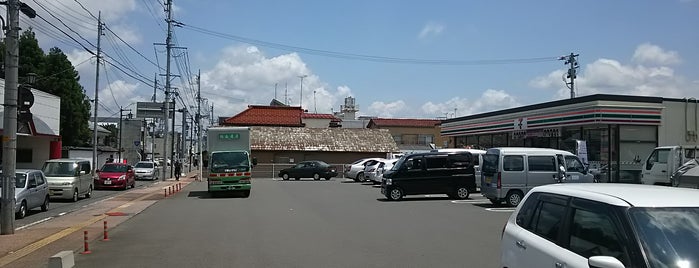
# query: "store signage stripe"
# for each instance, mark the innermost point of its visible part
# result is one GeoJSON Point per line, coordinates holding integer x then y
{"type": "Point", "coordinates": [596, 111]}
{"type": "Point", "coordinates": [636, 116]}
{"type": "Point", "coordinates": [478, 124]}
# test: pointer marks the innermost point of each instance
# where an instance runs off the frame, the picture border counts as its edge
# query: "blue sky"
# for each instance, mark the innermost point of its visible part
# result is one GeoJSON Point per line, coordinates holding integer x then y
{"type": "Point", "coordinates": [645, 47]}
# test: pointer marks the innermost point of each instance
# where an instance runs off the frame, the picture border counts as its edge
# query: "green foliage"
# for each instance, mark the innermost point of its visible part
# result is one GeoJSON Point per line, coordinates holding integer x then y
{"type": "Point", "coordinates": [56, 75]}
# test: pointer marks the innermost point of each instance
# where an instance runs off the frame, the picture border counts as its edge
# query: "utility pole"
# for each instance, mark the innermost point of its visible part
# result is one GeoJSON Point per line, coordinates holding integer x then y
{"type": "Point", "coordinates": [572, 72]}
{"type": "Point", "coordinates": [97, 85]}
{"type": "Point", "coordinates": [198, 119]}
{"type": "Point", "coordinates": [183, 135]}
{"type": "Point", "coordinates": [301, 99]}
{"type": "Point", "coordinates": [191, 141]}
{"type": "Point", "coordinates": [168, 46]}
{"type": "Point", "coordinates": [9, 137]}
{"type": "Point", "coordinates": [211, 115]}
{"type": "Point", "coordinates": [172, 141]}
{"type": "Point", "coordinates": [121, 114]}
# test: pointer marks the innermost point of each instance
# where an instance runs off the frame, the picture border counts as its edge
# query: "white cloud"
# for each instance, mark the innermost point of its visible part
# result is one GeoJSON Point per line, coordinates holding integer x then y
{"type": "Point", "coordinates": [608, 76]}
{"type": "Point", "coordinates": [652, 54]}
{"type": "Point", "coordinates": [490, 100]}
{"type": "Point", "coordinates": [78, 58]}
{"type": "Point", "coordinates": [119, 92]}
{"type": "Point", "coordinates": [244, 75]}
{"type": "Point", "coordinates": [431, 29]}
{"type": "Point", "coordinates": [387, 110]}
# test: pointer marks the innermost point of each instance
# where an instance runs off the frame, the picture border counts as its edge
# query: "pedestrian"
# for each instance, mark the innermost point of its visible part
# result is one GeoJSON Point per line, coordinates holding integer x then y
{"type": "Point", "coordinates": [110, 159]}
{"type": "Point", "coordinates": [178, 169]}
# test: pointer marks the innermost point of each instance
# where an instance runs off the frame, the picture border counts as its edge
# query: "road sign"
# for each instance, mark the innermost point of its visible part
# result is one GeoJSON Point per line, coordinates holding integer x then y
{"type": "Point", "coordinates": [153, 109]}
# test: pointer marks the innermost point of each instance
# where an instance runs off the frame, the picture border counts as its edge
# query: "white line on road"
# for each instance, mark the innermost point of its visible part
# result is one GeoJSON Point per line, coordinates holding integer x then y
{"type": "Point", "coordinates": [62, 213]}
{"type": "Point", "coordinates": [33, 223]}
{"type": "Point", "coordinates": [472, 201]}
{"type": "Point", "coordinates": [500, 209]}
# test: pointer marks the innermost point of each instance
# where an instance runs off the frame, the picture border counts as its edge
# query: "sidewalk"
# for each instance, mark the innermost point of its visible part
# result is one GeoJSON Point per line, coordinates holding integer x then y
{"type": "Point", "coordinates": [32, 246]}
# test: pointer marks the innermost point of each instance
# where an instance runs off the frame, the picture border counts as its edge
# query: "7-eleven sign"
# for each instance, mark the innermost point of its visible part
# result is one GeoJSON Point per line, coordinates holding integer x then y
{"type": "Point", "coordinates": [520, 123]}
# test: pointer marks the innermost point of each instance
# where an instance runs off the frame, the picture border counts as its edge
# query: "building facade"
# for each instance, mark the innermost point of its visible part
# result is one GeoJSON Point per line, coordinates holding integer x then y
{"type": "Point", "coordinates": [411, 135]}
{"type": "Point", "coordinates": [619, 132]}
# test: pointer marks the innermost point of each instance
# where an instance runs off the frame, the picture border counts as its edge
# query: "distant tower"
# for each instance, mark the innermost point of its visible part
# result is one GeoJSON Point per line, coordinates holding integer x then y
{"type": "Point", "coordinates": [349, 110]}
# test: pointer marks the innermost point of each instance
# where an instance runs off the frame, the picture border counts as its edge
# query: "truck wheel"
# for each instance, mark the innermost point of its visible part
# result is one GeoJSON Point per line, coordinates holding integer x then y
{"type": "Point", "coordinates": [394, 194]}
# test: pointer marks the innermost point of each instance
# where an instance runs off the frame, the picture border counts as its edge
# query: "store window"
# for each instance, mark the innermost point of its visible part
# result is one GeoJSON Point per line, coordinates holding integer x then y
{"type": "Point", "coordinates": [485, 141]}
{"type": "Point", "coordinates": [500, 140]}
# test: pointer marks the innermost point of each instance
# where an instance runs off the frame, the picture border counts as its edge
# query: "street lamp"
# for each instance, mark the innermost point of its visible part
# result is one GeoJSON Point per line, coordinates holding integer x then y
{"type": "Point", "coordinates": [301, 99]}
{"type": "Point", "coordinates": [121, 115]}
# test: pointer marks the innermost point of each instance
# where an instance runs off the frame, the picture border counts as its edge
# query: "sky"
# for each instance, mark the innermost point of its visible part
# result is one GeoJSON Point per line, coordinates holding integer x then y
{"type": "Point", "coordinates": [398, 59]}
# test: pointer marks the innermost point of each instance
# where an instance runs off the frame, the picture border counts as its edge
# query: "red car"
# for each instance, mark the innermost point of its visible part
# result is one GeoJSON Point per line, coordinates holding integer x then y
{"type": "Point", "coordinates": [115, 176]}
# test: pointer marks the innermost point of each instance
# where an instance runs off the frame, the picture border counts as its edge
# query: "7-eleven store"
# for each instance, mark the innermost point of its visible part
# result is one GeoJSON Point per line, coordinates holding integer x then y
{"type": "Point", "coordinates": [618, 131]}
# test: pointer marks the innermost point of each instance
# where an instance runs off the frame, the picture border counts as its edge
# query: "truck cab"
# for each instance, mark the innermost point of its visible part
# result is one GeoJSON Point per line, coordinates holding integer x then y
{"type": "Point", "coordinates": [227, 162]}
{"type": "Point", "coordinates": [664, 161]}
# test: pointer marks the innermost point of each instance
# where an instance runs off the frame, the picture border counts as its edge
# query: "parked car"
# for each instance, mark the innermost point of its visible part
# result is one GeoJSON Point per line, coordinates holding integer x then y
{"type": "Point", "coordinates": [603, 225]}
{"type": "Point", "coordinates": [508, 173]}
{"type": "Point", "coordinates": [146, 170]}
{"type": "Point", "coordinates": [375, 174]}
{"type": "Point", "coordinates": [68, 178]}
{"type": "Point", "coordinates": [31, 191]}
{"type": "Point", "coordinates": [309, 169]}
{"type": "Point", "coordinates": [355, 170]}
{"type": "Point", "coordinates": [115, 176]}
{"type": "Point", "coordinates": [431, 173]}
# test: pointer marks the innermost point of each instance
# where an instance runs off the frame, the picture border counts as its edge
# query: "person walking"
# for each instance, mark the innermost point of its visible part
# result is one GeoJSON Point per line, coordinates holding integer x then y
{"type": "Point", "coordinates": [178, 169]}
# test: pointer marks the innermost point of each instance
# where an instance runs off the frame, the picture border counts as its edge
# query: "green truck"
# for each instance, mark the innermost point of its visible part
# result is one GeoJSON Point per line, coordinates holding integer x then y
{"type": "Point", "coordinates": [227, 163]}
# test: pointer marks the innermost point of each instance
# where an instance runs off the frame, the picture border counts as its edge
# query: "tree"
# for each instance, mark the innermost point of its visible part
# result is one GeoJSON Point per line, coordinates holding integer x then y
{"type": "Point", "coordinates": [56, 75]}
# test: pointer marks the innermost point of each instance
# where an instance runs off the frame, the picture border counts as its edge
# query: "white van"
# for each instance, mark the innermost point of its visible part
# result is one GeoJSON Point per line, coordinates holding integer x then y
{"type": "Point", "coordinates": [68, 178]}
{"type": "Point", "coordinates": [508, 173]}
{"type": "Point", "coordinates": [477, 156]}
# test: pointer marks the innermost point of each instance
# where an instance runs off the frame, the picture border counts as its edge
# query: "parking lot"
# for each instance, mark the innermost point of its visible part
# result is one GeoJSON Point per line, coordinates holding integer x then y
{"type": "Point", "coordinates": [307, 223]}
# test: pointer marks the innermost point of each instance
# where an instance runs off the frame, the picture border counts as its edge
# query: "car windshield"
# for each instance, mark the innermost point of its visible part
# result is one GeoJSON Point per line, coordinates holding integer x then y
{"type": "Point", "coordinates": [229, 162]}
{"type": "Point", "coordinates": [60, 169]}
{"type": "Point", "coordinates": [144, 165]}
{"type": "Point", "coordinates": [399, 163]}
{"type": "Point", "coordinates": [670, 236]}
{"type": "Point", "coordinates": [113, 168]}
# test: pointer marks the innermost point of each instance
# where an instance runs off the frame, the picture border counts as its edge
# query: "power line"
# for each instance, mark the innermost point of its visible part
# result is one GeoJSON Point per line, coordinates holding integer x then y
{"type": "Point", "coordinates": [61, 21]}
{"type": "Point", "coordinates": [51, 34]}
{"type": "Point", "coordinates": [373, 58]}
{"type": "Point", "coordinates": [72, 18]}
{"type": "Point", "coordinates": [132, 48]}
{"type": "Point", "coordinates": [147, 82]}
{"type": "Point", "coordinates": [109, 86]}
{"type": "Point", "coordinates": [66, 34]}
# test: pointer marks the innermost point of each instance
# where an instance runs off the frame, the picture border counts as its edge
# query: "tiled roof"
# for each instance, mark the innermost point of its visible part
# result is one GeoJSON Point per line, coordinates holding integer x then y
{"type": "Point", "coordinates": [322, 139]}
{"type": "Point", "coordinates": [320, 116]}
{"type": "Point", "coordinates": [258, 115]}
{"type": "Point", "coordinates": [396, 122]}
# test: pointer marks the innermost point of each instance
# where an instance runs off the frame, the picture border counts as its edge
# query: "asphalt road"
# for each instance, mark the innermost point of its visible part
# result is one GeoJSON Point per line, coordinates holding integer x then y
{"type": "Point", "coordinates": [60, 207]}
{"type": "Point", "coordinates": [304, 224]}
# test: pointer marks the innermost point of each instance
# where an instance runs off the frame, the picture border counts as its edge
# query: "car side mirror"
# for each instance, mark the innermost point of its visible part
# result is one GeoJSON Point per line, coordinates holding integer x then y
{"type": "Point", "coordinates": [604, 262]}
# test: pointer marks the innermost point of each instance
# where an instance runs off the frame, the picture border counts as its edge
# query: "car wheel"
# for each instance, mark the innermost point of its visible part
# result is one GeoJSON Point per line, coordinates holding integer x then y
{"type": "Point", "coordinates": [126, 186]}
{"type": "Point", "coordinates": [89, 192]}
{"type": "Point", "coordinates": [513, 198]}
{"type": "Point", "coordinates": [75, 195]}
{"type": "Point", "coordinates": [461, 193]}
{"type": "Point", "coordinates": [495, 201]}
{"type": "Point", "coordinates": [45, 205]}
{"type": "Point", "coordinates": [22, 210]}
{"type": "Point", "coordinates": [316, 176]}
{"type": "Point", "coordinates": [246, 193]}
{"type": "Point", "coordinates": [394, 194]}
{"type": "Point", "coordinates": [360, 177]}
{"type": "Point", "coordinates": [285, 177]}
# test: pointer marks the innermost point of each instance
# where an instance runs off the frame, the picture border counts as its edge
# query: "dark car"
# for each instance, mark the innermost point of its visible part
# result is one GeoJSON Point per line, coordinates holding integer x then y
{"type": "Point", "coordinates": [115, 176]}
{"type": "Point", "coordinates": [309, 169]}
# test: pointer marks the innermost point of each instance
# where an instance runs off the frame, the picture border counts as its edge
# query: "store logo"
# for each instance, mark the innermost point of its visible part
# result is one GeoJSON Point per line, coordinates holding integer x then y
{"type": "Point", "coordinates": [520, 123]}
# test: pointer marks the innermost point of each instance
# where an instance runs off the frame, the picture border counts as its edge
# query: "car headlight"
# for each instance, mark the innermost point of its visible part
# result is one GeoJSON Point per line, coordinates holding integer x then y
{"type": "Point", "coordinates": [389, 181]}
{"type": "Point", "coordinates": [122, 177]}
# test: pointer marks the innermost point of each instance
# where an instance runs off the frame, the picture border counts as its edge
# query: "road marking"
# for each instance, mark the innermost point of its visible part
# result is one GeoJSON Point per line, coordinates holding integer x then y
{"type": "Point", "coordinates": [472, 201]}
{"type": "Point", "coordinates": [500, 209]}
{"type": "Point", "coordinates": [33, 223]}
{"type": "Point", "coordinates": [62, 213]}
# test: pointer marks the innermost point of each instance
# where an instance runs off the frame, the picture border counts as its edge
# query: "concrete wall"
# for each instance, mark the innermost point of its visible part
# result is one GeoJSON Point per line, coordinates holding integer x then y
{"type": "Point", "coordinates": [292, 157]}
{"type": "Point", "coordinates": [316, 122]}
{"type": "Point", "coordinates": [438, 140]}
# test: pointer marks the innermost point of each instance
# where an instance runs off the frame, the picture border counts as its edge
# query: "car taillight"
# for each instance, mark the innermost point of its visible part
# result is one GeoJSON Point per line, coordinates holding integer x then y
{"type": "Point", "coordinates": [499, 180]}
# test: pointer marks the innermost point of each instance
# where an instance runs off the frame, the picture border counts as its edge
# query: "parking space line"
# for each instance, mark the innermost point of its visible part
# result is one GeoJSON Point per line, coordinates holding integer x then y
{"type": "Point", "coordinates": [33, 223]}
{"type": "Point", "coordinates": [500, 209]}
{"type": "Point", "coordinates": [471, 201]}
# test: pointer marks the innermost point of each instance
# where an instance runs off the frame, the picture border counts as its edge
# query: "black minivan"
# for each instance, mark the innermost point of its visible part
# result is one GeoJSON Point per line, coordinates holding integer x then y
{"type": "Point", "coordinates": [431, 173]}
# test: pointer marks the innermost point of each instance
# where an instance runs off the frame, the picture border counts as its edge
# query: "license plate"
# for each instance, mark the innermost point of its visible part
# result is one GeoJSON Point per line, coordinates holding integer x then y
{"type": "Point", "coordinates": [488, 179]}
{"type": "Point", "coordinates": [107, 182]}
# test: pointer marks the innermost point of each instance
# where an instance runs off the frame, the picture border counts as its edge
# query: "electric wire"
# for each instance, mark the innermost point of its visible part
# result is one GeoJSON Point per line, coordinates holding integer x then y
{"type": "Point", "coordinates": [66, 34]}
{"type": "Point", "coordinates": [64, 24]}
{"type": "Point", "coordinates": [372, 58]}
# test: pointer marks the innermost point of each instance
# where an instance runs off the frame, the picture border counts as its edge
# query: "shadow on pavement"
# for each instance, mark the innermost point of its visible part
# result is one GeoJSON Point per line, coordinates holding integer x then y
{"type": "Point", "coordinates": [490, 205]}
{"type": "Point", "coordinates": [207, 195]}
